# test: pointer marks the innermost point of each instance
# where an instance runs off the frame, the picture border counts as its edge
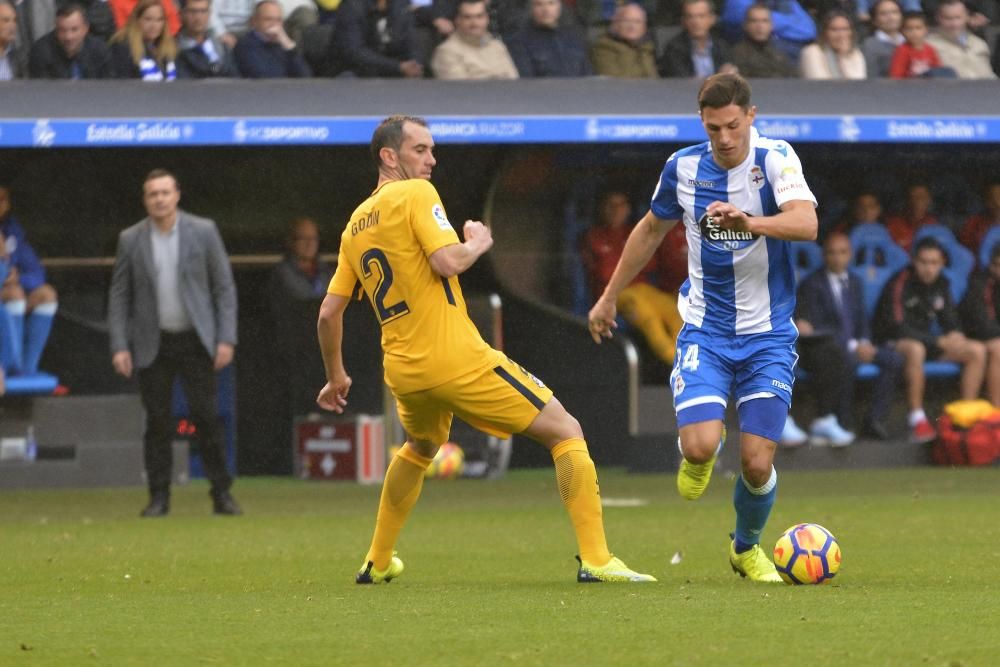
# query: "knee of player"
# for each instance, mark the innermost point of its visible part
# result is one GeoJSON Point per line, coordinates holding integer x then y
{"type": "Point", "coordinates": [424, 448]}
{"type": "Point", "coordinates": [757, 471]}
{"type": "Point", "coordinates": [699, 446]}
{"type": "Point", "coordinates": [571, 426]}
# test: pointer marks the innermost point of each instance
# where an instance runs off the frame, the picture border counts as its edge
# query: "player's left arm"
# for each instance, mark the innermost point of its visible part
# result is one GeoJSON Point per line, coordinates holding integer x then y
{"type": "Point", "coordinates": [330, 329]}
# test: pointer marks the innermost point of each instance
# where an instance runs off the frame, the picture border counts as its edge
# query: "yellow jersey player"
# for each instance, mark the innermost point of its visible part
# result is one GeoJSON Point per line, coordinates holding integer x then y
{"type": "Point", "coordinates": [401, 248]}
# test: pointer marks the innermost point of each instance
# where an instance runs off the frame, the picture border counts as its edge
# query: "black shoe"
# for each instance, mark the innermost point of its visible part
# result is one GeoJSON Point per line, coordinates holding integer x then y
{"type": "Point", "coordinates": [159, 505]}
{"type": "Point", "coordinates": [223, 503]}
{"type": "Point", "coordinates": [875, 429]}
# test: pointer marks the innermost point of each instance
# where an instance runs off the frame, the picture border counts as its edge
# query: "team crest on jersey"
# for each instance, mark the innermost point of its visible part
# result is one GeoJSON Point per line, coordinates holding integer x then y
{"type": "Point", "coordinates": [441, 218]}
{"type": "Point", "coordinates": [756, 178]}
{"type": "Point", "coordinates": [677, 380]}
{"type": "Point", "coordinates": [723, 239]}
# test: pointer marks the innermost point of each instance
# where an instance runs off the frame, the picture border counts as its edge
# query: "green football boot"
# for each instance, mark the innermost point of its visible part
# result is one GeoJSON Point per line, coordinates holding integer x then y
{"type": "Point", "coordinates": [369, 575]}
{"type": "Point", "coordinates": [615, 570]}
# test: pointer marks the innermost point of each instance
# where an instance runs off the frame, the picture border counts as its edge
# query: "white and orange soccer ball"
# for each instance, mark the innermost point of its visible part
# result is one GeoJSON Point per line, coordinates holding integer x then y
{"type": "Point", "coordinates": [448, 462]}
{"type": "Point", "coordinates": [807, 553]}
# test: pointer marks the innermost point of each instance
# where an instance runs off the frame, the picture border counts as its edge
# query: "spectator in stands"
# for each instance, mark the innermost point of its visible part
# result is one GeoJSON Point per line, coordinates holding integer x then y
{"type": "Point", "coordinates": [915, 57]}
{"type": "Point", "coordinates": [544, 48]}
{"type": "Point", "coordinates": [916, 214]}
{"type": "Point", "coordinates": [34, 19]}
{"type": "Point", "coordinates": [598, 14]}
{"type": "Point", "coordinates": [266, 51]}
{"type": "Point", "coordinates": [696, 51]}
{"type": "Point", "coordinates": [123, 9]}
{"type": "Point", "coordinates": [866, 208]}
{"type": "Point", "coordinates": [980, 311]}
{"type": "Point", "coordinates": [144, 48]}
{"type": "Point", "coordinates": [376, 38]}
{"type": "Point", "coordinates": [981, 12]}
{"type": "Point", "coordinates": [302, 274]}
{"type": "Point", "coordinates": [835, 337]}
{"type": "Point", "coordinates": [234, 14]}
{"type": "Point", "coordinates": [70, 51]}
{"type": "Point", "coordinates": [471, 52]}
{"type": "Point", "coordinates": [672, 260]}
{"type": "Point", "coordinates": [917, 316]}
{"type": "Point", "coordinates": [172, 314]}
{"type": "Point", "coordinates": [650, 310]}
{"type": "Point", "coordinates": [976, 227]}
{"type": "Point", "coordinates": [202, 53]}
{"type": "Point", "coordinates": [867, 11]}
{"type": "Point", "coordinates": [957, 47]}
{"type": "Point", "coordinates": [756, 56]}
{"type": "Point", "coordinates": [836, 55]}
{"type": "Point", "coordinates": [13, 59]}
{"type": "Point", "coordinates": [792, 26]}
{"type": "Point", "coordinates": [887, 19]}
{"type": "Point", "coordinates": [626, 51]}
{"type": "Point", "coordinates": [29, 303]}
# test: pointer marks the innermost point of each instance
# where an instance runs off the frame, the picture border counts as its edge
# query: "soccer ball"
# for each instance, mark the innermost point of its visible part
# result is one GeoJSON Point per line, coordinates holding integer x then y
{"type": "Point", "coordinates": [807, 553]}
{"type": "Point", "coordinates": [447, 463]}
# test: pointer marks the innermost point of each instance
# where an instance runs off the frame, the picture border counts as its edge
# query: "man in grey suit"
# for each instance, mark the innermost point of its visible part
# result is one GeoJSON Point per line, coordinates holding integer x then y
{"type": "Point", "coordinates": [172, 312]}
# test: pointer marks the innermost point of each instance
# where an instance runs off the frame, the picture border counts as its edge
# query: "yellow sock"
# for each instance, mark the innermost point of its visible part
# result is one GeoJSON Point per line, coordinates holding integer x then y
{"type": "Point", "coordinates": [576, 477]}
{"type": "Point", "coordinates": [403, 481]}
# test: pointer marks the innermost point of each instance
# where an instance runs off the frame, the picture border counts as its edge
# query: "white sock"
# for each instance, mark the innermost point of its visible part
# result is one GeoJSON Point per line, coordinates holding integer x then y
{"type": "Point", "coordinates": [916, 416]}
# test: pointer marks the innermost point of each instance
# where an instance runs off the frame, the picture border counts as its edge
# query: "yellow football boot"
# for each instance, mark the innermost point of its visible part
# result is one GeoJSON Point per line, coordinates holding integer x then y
{"type": "Point", "coordinates": [369, 575]}
{"type": "Point", "coordinates": [614, 570]}
{"type": "Point", "coordinates": [753, 564]}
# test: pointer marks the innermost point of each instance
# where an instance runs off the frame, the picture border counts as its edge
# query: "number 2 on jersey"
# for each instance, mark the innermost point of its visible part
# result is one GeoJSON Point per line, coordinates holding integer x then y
{"type": "Point", "coordinates": [385, 313]}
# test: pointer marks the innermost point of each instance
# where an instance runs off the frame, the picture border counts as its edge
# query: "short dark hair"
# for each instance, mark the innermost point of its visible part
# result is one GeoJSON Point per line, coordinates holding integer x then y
{"type": "Point", "coordinates": [721, 90]}
{"type": "Point", "coordinates": [389, 134]}
{"type": "Point", "coordinates": [71, 8]}
{"type": "Point", "coordinates": [687, 3]}
{"type": "Point", "coordinates": [915, 16]}
{"type": "Point", "coordinates": [160, 173]}
{"type": "Point", "coordinates": [929, 243]}
{"type": "Point", "coordinates": [292, 228]}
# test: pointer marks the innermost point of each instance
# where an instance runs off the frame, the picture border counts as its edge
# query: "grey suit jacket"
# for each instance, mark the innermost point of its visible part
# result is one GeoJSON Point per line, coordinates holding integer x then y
{"type": "Point", "coordinates": [206, 284]}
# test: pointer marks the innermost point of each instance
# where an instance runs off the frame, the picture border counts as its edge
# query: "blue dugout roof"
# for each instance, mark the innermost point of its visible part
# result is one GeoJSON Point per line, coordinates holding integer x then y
{"type": "Point", "coordinates": [45, 114]}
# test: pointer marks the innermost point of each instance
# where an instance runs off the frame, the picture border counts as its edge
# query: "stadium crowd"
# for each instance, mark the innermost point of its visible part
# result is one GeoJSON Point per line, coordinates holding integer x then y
{"type": "Point", "coordinates": [163, 40]}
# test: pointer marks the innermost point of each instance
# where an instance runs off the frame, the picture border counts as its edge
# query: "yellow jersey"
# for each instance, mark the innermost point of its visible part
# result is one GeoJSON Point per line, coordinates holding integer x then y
{"type": "Point", "coordinates": [427, 336]}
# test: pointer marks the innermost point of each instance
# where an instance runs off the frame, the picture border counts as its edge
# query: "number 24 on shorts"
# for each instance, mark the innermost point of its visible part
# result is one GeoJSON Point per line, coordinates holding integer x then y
{"type": "Point", "coordinates": [689, 362]}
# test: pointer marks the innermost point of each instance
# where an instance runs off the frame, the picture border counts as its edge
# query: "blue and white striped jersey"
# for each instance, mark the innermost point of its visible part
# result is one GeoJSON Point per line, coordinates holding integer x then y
{"type": "Point", "coordinates": [738, 283]}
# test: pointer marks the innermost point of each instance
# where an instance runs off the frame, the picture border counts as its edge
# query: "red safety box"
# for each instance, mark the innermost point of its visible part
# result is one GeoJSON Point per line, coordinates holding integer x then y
{"type": "Point", "coordinates": [340, 448]}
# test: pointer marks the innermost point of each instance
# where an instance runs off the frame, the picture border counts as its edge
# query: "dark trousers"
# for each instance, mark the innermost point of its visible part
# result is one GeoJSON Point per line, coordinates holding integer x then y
{"type": "Point", "coordinates": [181, 355]}
{"type": "Point", "coordinates": [831, 375]}
{"type": "Point", "coordinates": [832, 372]}
{"type": "Point", "coordinates": [890, 365]}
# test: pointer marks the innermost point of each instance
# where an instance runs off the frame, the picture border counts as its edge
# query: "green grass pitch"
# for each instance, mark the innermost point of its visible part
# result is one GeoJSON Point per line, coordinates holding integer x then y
{"type": "Point", "coordinates": [490, 576]}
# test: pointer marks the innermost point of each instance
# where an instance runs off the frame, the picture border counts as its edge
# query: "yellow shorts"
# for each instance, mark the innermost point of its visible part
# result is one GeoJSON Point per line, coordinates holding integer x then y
{"type": "Point", "coordinates": [498, 401]}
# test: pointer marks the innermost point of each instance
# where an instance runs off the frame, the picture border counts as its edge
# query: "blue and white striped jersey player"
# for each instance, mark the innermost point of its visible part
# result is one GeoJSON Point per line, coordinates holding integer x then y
{"type": "Point", "coordinates": [741, 198]}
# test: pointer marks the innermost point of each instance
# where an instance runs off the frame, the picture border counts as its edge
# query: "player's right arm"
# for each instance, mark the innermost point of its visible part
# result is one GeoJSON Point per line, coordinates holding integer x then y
{"type": "Point", "coordinates": [456, 258]}
{"type": "Point", "coordinates": [330, 329]}
{"type": "Point", "coordinates": [645, 238]}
